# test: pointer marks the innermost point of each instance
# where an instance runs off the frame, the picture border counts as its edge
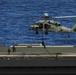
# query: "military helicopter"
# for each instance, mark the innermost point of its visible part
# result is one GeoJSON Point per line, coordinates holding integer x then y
{"type": "Point", "coordinates": [47, 25]}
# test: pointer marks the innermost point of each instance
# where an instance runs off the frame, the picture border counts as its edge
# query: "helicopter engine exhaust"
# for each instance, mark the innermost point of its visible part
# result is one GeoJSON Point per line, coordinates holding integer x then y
{"type": "Point", "coordinates": [36, 32]}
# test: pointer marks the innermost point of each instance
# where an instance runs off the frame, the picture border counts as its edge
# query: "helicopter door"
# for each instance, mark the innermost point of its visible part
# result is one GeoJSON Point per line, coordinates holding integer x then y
{"type": "Point", "coordinates": [46, 26]}
{"type": "Point", "coordinates": [40, 26]}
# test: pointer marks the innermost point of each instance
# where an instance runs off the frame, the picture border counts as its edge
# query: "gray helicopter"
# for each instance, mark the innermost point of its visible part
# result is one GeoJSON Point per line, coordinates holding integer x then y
{"type": "Point", "coordinates": [51, 25]}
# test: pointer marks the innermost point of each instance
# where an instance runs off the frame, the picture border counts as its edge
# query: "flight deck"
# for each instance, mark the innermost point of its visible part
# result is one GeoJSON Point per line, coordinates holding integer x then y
{"type": "Point", "coordinates": [35, 55]}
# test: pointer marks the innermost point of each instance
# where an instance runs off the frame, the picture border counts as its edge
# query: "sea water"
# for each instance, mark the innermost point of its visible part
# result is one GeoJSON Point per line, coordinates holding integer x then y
{"type": "Point", "coordinates": [16, 16]}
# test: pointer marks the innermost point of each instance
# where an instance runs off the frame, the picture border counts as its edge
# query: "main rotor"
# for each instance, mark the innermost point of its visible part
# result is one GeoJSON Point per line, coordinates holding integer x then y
{"type": "Point", "coordinates": [46, 16]}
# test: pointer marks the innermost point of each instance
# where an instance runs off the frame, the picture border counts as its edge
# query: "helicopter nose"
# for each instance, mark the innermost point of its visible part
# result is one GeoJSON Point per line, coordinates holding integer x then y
{"type": "Point", "coordinates": [31, 28]}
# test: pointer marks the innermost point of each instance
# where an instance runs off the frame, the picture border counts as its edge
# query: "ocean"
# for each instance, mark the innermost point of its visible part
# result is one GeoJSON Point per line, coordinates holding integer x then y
{"type": "Point", "coordinates": [16, 16]}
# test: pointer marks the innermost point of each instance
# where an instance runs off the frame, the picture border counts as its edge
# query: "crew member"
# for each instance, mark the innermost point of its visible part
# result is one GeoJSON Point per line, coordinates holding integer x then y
{"type": "Point", "coordinates": [9, 51]}
{"type": "Point", "coordinates": [14, 49]}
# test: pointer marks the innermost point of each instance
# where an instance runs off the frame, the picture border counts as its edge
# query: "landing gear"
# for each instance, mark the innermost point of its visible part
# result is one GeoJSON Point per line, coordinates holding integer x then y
{"type": "Point", "coordinates": [46, 32]}
{"type": "Point", "coordinates": [36, 32]}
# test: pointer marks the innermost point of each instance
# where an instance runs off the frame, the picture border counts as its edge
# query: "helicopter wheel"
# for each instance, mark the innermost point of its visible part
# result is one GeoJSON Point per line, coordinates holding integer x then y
{"type": "Point", "coordinates": [46, 32]}
{"type": "Point", "coordinates": [36, 32]}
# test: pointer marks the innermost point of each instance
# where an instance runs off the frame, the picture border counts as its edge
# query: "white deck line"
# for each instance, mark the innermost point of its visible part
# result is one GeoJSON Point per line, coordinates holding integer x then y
{"type": "Point", "coordinates": [48, 55]}
{"type": "Point", "coordinates": [41, 46]}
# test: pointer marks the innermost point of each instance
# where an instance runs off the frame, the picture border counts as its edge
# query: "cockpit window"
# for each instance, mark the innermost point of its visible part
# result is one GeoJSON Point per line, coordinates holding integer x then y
{"type": "Point", "coordinates": [40, 25]}
{"type": "Point", "coordinates": [37, 23]}
{"type": "Point", "coordinates": [49, 22]}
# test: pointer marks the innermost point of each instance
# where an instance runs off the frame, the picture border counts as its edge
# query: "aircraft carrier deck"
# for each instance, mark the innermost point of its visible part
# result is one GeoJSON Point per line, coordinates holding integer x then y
{"type": "Point", "coordinates": [35, 55]}
{"type": "Point", "coordinates": [31, 55]}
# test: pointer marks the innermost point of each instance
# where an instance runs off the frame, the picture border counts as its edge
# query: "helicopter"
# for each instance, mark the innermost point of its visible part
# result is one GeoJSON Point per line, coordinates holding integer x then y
{"type": "Point", "coordinates": [47, 25]}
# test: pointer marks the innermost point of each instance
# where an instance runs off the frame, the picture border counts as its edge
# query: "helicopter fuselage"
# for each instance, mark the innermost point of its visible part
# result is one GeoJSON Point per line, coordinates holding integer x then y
{"type": "Point", "coordinates": [50, 26]}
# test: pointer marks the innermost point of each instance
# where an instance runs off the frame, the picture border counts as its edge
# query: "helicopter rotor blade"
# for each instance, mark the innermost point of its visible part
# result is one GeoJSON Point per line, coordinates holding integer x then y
{"type": "Point", "coordinates": [46, 16]}
{"type": "Point", "coordinates": [65, 17]}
